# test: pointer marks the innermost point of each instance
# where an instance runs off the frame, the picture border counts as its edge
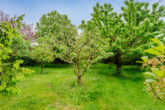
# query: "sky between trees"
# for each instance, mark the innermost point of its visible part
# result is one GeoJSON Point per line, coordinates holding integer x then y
{"type": "Point", "coordinates": [76, 10]}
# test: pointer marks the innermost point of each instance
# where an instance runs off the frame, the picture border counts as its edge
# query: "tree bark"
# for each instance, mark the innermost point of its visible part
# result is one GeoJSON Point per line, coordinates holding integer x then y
{"type": "Point", "coordinates": [118, 62]}
{"type": "Point", "coordinates": [79, 71]}
{"type": "Point", "coordinates": [42, 67]}
{"type": "Point", "coordinates": [79, 80]}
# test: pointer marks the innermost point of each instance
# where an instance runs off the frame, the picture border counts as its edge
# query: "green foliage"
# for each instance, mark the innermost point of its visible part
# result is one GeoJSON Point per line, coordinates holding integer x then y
{"type": "Point", "coordinates": [43, 52]}
{"type": "Point", "coordinates": [55, 24]}
{"type": "Point", "coordinates": [21, 43]}
{"type": "Point", "coordinates": [129, 32]}
{"type": "Point", "coordinates": [155, 67]}
{"type": "Point", "coordinates": [10, 72]}
{"type": "Point", "coordinates": [83, 51]}
{"type": "Point", "coordinates": [20, 47]}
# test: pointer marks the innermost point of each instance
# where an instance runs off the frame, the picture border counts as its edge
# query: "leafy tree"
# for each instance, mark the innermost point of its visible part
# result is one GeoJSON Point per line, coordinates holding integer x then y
{"type": "Point", "coordinates": [55, 24]}
{"type": "Point", "coordinates": [83, 51]}
{"type": "Point", "coordinates": [20, 45]}
{"type": "Point", "coordinates": [10, 72]}
{"type": "Point", "coordinates": [42, 53]}
{"type": "Point", "coordinates": [155, 67]}
{"type": "Point", "coordinates": [130, 31]}
{"type": "Point", "coordinates": [26, 30]}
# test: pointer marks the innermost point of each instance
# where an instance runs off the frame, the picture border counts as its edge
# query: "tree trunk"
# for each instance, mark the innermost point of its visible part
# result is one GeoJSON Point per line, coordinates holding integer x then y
{"type": "Point", "coordinates": [79, 72]}
{"type": "Point", "coordinates": [42, 67]}
{"type": "Point", "coordinates": [79, 80]}
{"type": "Point", "coordinates": [118, 62]}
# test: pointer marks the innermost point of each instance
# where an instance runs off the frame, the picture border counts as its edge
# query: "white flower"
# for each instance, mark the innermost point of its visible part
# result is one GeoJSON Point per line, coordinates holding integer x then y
{"type": "Point", "coordinates": [34, 44]}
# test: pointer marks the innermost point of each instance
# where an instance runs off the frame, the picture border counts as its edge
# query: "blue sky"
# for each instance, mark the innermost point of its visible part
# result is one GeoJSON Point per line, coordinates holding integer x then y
{"type": "Point", "coordinates": [76, 10]}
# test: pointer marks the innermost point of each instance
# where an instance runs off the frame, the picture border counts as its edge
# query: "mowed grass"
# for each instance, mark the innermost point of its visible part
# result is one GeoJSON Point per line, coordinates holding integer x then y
{"type": "Point", "coordinates": [57, 89]}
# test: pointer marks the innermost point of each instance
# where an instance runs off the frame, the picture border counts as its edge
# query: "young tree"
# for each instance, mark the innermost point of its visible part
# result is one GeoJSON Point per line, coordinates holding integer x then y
{"type": "Point", "coordinates": [155, 67]}
{"type": "Point", "coordinates": [43, 52]}
{"type": "Point", "coordinates": [10, 72]}
{"type": "Point", "coordinates": [83, 51]}
{"type": "Point", "coordinates": [129, 32]}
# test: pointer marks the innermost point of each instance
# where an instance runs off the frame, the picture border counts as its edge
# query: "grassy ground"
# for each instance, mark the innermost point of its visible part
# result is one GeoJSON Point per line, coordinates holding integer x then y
{"type": "Point", "coordinates": [57, 89]}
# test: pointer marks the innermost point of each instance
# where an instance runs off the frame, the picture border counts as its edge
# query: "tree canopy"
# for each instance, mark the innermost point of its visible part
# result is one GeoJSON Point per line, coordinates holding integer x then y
{"type": "Point", "coordinates": [55, 24]}
{"type": "Point", "coordinates": [129, 32]}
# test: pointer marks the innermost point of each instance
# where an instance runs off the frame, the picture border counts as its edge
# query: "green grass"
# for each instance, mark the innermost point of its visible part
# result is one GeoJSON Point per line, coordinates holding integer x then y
{"type": "Point", "coordinates": [57, 89]}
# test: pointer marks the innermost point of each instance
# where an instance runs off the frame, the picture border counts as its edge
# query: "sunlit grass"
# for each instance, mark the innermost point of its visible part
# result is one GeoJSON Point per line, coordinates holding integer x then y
{"type": "Point", "coordinates": [57, 89]}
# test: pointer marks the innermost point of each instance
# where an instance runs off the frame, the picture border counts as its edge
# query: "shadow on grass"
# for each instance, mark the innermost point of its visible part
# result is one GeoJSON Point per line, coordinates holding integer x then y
{"type": "Point", "coordinates": [130, 72]}
{"type": "Point", "coordinates": [51, 65]}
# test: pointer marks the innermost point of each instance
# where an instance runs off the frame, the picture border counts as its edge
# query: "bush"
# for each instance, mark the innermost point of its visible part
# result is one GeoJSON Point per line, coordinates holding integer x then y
{"type": "Point", "coordinates": [155, 74]}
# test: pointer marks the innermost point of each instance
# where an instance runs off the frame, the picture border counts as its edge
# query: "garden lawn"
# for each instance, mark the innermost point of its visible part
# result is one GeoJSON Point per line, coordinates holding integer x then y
{"type": "Point", "coordinates": [56, 89]}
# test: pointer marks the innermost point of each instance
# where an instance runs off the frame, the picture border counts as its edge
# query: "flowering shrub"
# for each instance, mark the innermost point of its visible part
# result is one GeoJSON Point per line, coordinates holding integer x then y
{"type": "Point", "coordinates": [155, 66]}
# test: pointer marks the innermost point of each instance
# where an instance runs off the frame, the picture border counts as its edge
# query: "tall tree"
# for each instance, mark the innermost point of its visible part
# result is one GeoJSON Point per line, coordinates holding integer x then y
{"type": "Point", "coordinates": [56, 26]}
{"type": "Point", "coordinates": [128, 32]}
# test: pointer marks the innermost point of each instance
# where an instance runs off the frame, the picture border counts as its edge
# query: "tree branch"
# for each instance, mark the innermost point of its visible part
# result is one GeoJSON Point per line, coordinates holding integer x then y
{"type": "Point", "coordinates": [156, 94]}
